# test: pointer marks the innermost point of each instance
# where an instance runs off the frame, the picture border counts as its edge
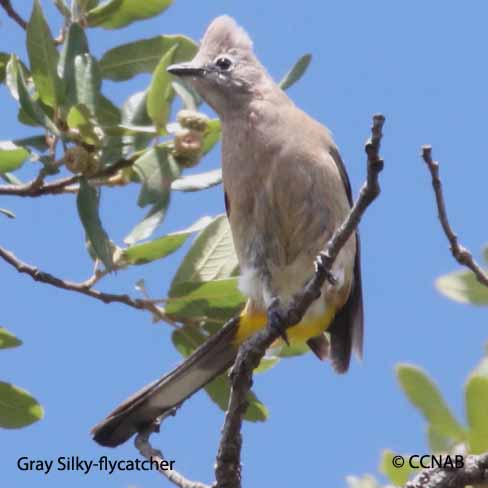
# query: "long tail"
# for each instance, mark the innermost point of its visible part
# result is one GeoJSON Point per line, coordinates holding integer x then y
{"type": "Point", "coordinates": [141, 409]}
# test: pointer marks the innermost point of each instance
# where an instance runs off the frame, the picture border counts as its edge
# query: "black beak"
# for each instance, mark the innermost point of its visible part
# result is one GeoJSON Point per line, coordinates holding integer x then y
{"type": "Point", "coordinates": [185, 69]}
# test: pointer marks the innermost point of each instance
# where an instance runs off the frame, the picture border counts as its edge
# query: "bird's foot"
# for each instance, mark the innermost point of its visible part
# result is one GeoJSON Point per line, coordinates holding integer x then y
{"type": "Point", "coordinates": [322, 267]}
{"type": "Point", "coordinates": [277, 319]}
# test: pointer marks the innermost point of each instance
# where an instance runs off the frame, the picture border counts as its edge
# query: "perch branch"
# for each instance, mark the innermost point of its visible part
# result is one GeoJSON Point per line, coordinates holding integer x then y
{"type": "Point", "coordinates": [145, 448]}
{"type": "Point", "coordinates": [459, 252]}
{"type": "Point", "coordinates": [474, 472]}
{"type": "Point", "coordinates": [10, 11]}
{"type": "Point", "coordinates": [228, 466]}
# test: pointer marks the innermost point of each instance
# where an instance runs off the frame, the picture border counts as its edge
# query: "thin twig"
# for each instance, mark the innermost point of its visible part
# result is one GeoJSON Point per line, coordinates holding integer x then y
{"type": "Point", "coordinates": [474, 472]}
{"type": "Point", "coordinates": [460, 253]}
{"type": "Point", "coordinates": [7, 6]}
{"type": "Point", "coordinates": [145, 448]}
{"type": "Point", "coordinates": [37, 188]}
{"type": "Point", "coordinates": [228, 466]}
{"type": "Point", "coordinates": [43, 277]}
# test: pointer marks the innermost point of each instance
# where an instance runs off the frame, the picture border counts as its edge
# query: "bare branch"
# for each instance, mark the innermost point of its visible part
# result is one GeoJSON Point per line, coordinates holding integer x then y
{"type": "Point", "coordinates": [460, 253]}
{"type": "Point", "coordinates": [7, 6]}
{"type": "Point", "coordinates": [33, 189]}
{"type": "Point", "coordinates": [82, 288]}
{"type": "Point", "coordinates": [228, 466]}
{"type": "Point", "coordinates": [37, 188]}
{"type": "Point", "coordinates": [474, 472]}
{"type": "Point", "coordinates": [145, 448]}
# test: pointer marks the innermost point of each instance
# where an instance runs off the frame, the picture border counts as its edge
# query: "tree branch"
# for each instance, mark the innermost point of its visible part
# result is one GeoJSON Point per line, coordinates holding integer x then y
{"type": "Point", "coordinates": [7, 6]}
{"type": "Point", "coordinates": [228, 467]}
{"type": "Point", "coordinates": [83, 288]}
{"type": "Point", "coordinates": [459, 252]}
{"type": "Point", "coordinates": [474, 472]}
{"type": "Point", "coordinates": [145, 448]}
{"type": "Point", "coordinates": [37, 188]}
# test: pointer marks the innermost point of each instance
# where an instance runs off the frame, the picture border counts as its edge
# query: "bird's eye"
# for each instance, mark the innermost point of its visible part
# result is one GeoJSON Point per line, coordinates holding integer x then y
{"type": "Point", "coordinates": [224, 63]}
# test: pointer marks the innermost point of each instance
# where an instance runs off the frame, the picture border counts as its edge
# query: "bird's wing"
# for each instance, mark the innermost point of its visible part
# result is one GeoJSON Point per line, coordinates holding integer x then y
{"type": "Point", "coordinates": [347, 329]}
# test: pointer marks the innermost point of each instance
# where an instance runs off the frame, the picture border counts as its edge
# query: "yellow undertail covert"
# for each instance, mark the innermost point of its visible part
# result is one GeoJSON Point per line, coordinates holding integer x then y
{"type": "Point", "coordinates": [251, 322]}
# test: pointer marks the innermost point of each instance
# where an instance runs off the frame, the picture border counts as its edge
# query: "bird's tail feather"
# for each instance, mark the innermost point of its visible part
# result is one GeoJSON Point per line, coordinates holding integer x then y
{"type": "Point", "coordinates": [154, 400]}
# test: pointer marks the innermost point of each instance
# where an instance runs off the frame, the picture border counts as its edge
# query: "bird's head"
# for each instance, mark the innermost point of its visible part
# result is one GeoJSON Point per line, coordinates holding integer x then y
{"type": "Point", "coordinates": [225, 71]}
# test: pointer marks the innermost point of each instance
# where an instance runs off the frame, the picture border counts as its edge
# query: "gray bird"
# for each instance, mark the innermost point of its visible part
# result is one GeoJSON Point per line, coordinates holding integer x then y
{"type": "Point", "coordinates": [286, 191]}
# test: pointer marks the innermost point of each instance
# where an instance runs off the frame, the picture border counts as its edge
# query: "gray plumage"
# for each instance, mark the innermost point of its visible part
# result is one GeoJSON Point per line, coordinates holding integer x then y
{"type": "Point", "coordinates": [286, 191]}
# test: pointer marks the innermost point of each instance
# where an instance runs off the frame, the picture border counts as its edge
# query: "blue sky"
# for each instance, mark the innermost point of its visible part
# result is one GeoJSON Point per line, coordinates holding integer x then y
{"type": "Point", "coordinates": [423, 65]}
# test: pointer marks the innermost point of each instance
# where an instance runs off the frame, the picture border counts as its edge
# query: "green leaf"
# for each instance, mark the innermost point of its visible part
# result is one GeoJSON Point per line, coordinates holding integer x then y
{"type": "Point", "coordinates": [134, 113]}
{"type": "Point", "coordinates": [36, 142]}
{"type": "Point", "coordinates": [4, 57]}
{"type": "Point", "coordinates": [7, 213]}
{"type": "Point", "coordinates": [219, 391]}
{"type": "Point", "coordinates": [12, 156]}
{"type": "Point", "coordinates": [160, 91]}
{"type": "Point", "coordinates": [156, 170]}
{"type": "Point", "coordinates": [295, 349]}
{"type": "Point", "coordinates": [267, 363]}
{"type": "Point", "coordinates": [397, 475]}
{"type": "Point", "coordinates": [296, 72]}
{"type": "Point", "coordinates": [87, 203]}
{"type": "Point", "coordinates": [88, 81]}
{"type": "Point", "coordinates": [162, 247]}
{"type": "Point", "coordinates": [25, 119]}
{"type": "Point", "coordinates": [8, 340]}
{"type": "Point", "coordinates": [76, 44]}
{"type": "Point", "coordinates": [424, 395]}
{"type": "Point", "coordinates": [217, 299]}
{"type": "Point", "coordinates": [438, 442]}
{"type": "Point", "coordinates": [462, 286]}
{"type": "Point", "coordinates": [43, 57]}
{"type": "Point", "coordinates": [113, 150]}
{"type": "Point", "coordinates": [17, 407]}
{"type": "Point", "coordinates": [11, 70]}
{"type": "Point", "coordinates": [130, 129]}
{"type": "Point", "coordinates": [115, 14]}
{"type": "Point", "coordinates": [477, 408]}
{"type": "Point", "coordinates": [107, 113]}
{"type": "Point", "coordinates": [62, 8]}
{"type": "Point", "coordinates": [190, 98]}
{"type": "Point", "coordinates": [197, 182]}
{"type": "Point", "coordinates": [80, 118]}
{"type": "Point", "coordinates": [211, 256]}
{"type": "Point", "coordinates": [149, 223]}
{"type": "Point", "coordinates": [212, 135]}
{"type": "Point", "coordinates": [187, 338]}
{"type": "Point", "coordinates": [28, 104]}
{"type": "Point", "coordinates": [134, 110]}
{"type": "Point", "coordinates": [86, 5]}
{"type": "Point", "coordinates": [128, 60]}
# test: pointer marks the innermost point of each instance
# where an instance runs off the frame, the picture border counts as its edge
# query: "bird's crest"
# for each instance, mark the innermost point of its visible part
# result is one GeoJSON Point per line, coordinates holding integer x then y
{"type": "Point", "coordinates": [224, 35]}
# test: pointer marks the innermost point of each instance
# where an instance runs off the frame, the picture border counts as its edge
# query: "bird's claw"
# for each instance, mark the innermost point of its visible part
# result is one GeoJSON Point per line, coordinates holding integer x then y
{"type": "Point", "coordinates": [321, 266]}
{"type": "Point", "coordinates": [277, 320]}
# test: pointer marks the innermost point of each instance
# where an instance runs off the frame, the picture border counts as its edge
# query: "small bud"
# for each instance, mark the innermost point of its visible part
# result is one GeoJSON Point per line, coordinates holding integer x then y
{"type": "Point", "coordinates": [77, 159]}
{"type": "Point", "coordinates": [190, 119]}
{"type": "Point", "coordinates": [93, 166]}
{"type": "Point", "coordinates": [187, 147]}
